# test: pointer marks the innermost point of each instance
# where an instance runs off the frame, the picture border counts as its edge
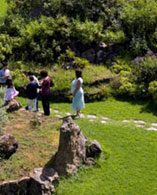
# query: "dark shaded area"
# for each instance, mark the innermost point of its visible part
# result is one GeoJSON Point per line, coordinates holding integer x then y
{"type": "Point", "coordinates": [148, 105]}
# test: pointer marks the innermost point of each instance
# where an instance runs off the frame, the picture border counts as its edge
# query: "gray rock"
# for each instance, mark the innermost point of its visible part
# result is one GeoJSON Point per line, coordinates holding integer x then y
{"type": "Point", "coordinates": [89, 55]}
{"type": "Point", "coordinates": [94, 149]}
{"type": "Point", "coordinates": [13, 106]}
{"type": "Point", "coordinates": [43, 181]}
{"type": "Point", "coordinates": [14, 187]}
{"type": "Point", "coordinates": [72, 148]}
{"type": "Point", "coordinates": [8, 145]}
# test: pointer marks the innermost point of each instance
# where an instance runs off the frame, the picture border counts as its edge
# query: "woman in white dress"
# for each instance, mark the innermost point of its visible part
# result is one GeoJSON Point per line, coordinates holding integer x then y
{"type": "Point", "coordinates": [77, 93]}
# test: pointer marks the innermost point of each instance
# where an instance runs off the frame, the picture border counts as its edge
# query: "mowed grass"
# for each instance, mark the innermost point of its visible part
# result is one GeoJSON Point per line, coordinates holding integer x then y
{"type": "Point", "coordinates": [3, 8]}
{"type": "Point", "coordinates": [127, 165]}
{"type": "Point", "coordinates": [128, 162]}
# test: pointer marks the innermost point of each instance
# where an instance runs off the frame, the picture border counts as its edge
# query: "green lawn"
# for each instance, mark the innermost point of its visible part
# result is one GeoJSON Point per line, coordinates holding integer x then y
{"type": "Point", "coordinates": [129, 159]}
{"type": "Point", "coordinates": [3, 8]}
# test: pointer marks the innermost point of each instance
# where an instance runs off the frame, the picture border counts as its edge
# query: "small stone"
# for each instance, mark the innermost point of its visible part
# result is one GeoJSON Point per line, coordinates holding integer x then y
{"type": "Point", "coordinates": [105, 118]}
{"type": "Point", "coordinates": [103, 122]}
{"type": "Point", "coordinates": [91, 116]}
{"type": "Point", "coordinates": [151, 129]}
{"type": "Point", "coordinates": [91, 120]}
{"type": "Point", "coordinates": [125, 121]}
{"type": "Point", "coordinates": [68, 113]}
{"type": "Point", "coordinates": [139, 126]}
{"type": "Point", "coordinates": [139, 121]}
{"type": "Point", "coordinates": [154, 124]}
{"type": "Point", "coordinates": [82, 116]}
{"type": "Point", "coordinates": [56, 111]}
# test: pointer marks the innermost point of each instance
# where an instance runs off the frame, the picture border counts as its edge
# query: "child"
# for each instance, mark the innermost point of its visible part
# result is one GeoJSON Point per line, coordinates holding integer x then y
{"type": "Point", "coordinates": [38, 90]}
{"type": "Point", "coordinates": [11, 92]}
{"type": "Point", "coordinates": [31, 91]}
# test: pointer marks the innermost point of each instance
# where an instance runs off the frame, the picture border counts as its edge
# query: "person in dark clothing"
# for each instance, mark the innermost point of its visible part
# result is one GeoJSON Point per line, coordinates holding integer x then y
{"type": "Point", "coordinates": [31, 91]}
{"type": "Point", "coordinates": [45, 91]}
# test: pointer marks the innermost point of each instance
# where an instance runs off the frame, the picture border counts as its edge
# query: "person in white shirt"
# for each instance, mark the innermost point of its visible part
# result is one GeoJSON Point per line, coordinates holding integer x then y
{"type": "Point", "coordinates": [4, 75]}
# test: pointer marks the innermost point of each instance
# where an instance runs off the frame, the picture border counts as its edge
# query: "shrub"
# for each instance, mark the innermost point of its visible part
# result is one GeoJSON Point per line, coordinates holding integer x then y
{"type": "Point", "coordinates": [114, 37]}
{"type": "Point", "coordinates": [153, 90]}
{"type": "Point", "coordinates": [68, 60]}
{"type": "Point", "coordinates": [145, 71]}
{"type": "Point", "coordinates": [87, 32]}
{"type": "Point", "coordinates": [6, 43]}
{"type": "Point", "coordinates": [19, 78]}
{"type": "Point", "coordinates": [139, 21]}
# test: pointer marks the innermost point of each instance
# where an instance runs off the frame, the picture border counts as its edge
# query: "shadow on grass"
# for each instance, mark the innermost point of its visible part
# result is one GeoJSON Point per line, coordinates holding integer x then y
{"type": "Point", "coordinates": [146, 105]}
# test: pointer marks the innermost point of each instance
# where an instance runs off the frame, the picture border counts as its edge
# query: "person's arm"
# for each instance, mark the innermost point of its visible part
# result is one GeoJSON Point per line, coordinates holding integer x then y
{"type": "Point", "coordinates": [77, 87]}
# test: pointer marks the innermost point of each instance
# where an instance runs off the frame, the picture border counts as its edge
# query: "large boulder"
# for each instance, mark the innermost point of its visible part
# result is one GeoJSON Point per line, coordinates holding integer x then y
{"type": "Point", "coordinates": [14, 187]}
{"type": "Point", "coordinates": [42, 181]}
{"type": "Point", "coordinates": [72, 148]}
{"type": "Point", "coordinates": [13, 106]}
{"type": "Point", "coordinates": [8, 145]}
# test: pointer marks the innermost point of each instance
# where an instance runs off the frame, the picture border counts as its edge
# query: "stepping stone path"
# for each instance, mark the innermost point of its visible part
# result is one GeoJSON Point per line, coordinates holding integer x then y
{"type": "Point", "coordinates": [105, 119]}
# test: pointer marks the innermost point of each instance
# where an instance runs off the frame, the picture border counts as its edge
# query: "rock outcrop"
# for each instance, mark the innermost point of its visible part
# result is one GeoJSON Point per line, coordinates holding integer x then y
{"type": "Point", "coordinates": [72, 148]}
{"type": "Point", "coordinates": [42, 181]}
{"type": "Point", "coordinates": [8, 145]}
{"type": "Point", "coordinates": [13, 106]}
{"type": "Point", "coordinates": [94, 150]}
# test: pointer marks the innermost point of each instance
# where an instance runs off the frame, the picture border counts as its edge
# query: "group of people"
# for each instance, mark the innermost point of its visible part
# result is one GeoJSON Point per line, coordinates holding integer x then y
{"type": "Point", "coordinates": [34, 88]}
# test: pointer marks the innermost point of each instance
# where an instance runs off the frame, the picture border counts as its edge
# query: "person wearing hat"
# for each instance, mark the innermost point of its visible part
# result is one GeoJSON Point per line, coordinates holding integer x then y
{"type": "Point", "coordinates": [4, 75]}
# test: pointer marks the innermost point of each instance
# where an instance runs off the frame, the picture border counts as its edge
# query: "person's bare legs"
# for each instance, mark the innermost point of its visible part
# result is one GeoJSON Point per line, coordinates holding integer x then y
{"type": "Point", "coordinates": [78, 113]}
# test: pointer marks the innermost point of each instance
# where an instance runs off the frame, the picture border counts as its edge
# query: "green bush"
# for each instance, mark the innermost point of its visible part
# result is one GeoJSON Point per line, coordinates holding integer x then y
{"type": "Point", "coordinates": [68, 60]}
{"type": "Point", "coordinates": [145, 71]}
{"type": "Point", "coordinates": [19, 78]}
{"type": "Point", "coordinates": [153, 90]}
{"type": "Point", "coordinates": [6, 45]}
{"type": "Point", "coordinates": [139, 21]}
{"type": "Point", "coordinates": [114, 37]}
{"type": "Point", "coordinates": [87, 32]}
